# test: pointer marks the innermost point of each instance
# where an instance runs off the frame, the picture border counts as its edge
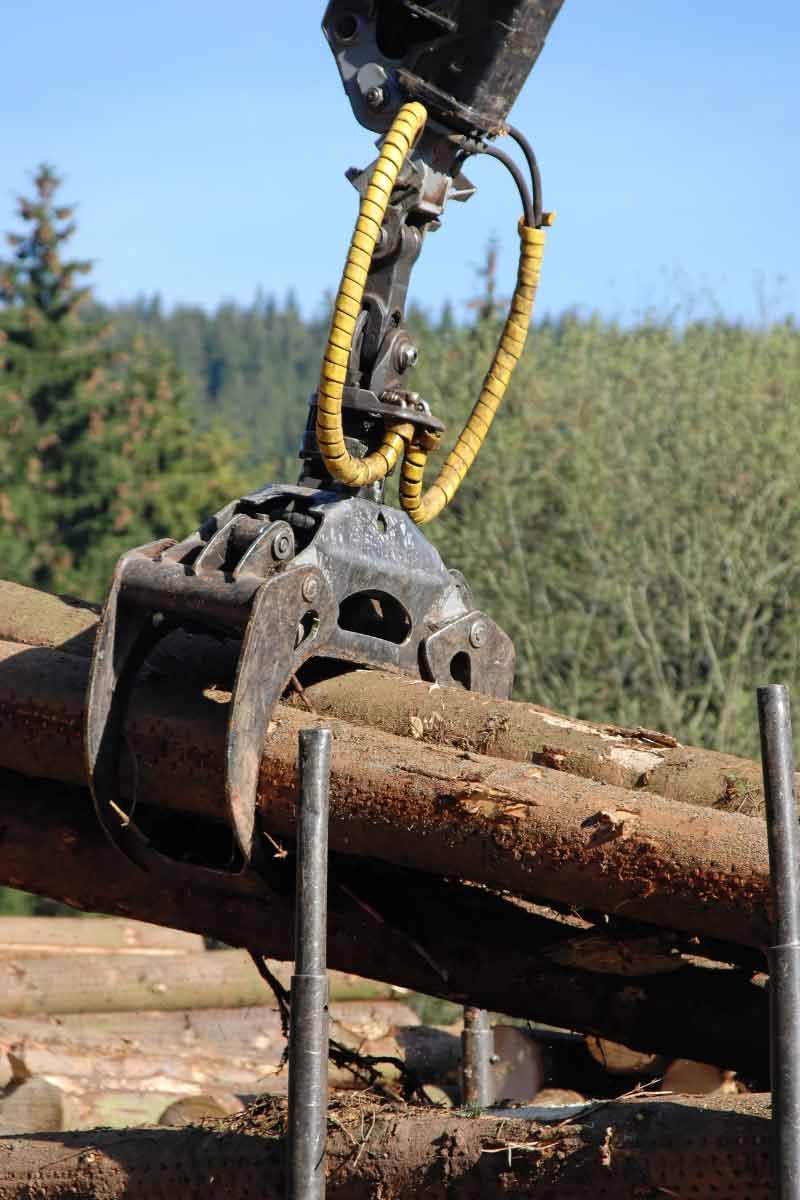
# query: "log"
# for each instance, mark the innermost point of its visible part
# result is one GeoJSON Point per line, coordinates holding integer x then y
{"type": "Point", "coordinates": [38, 1106]}
{"type": "Point", "coordinates": [34, 1106]}
{"type": "Point", "coordinates": [87, 1053]}
{"type": "Point", "coordinates": [191, 1110]}
{"type": "Point", "coordinates": [432, 1054]}
{"type": "Point", "coordinates": [620, 1060]}
{"type": "Point", "coordinates": [35, 937]}
{"type": "Point", "coordinates": [235, 1031]}
{"type": "Point", "coordinates": [533, 831]}
{"type": "Point", "coordinates": [126, 1110]}
{"type": "Point", "coordinates": [443, 938]}
{"type": "Point", "coordinates": [625, 1150]}
{"type": "Point", "coordinates": [172, 1074]}
{"type": "Point", "coordinates": [39, 619]}
{"type": "Point", "coordinates": [644, 759]}
{"type": "Point", "coordinates": [520, 731]}
{"type": "Point", "coordinates": [697, 1079]}
{"type": "Point", "coordinates": [219, 979]}
{"type": "Point", "coordinates": [536, 832]}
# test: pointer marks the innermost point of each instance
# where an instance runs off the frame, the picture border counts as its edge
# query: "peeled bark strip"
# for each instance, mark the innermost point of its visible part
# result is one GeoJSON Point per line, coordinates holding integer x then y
{"type": "Point", "coordinates": [435, 936]}
{"type": "Point", "coordinates": [533, 831]}
{"type": "Point", "coordinates": [625, 757]}
{"type": "Point", "coordinates": [218, 979]}
{"type": "Point", "coordinates": [621, 1150]}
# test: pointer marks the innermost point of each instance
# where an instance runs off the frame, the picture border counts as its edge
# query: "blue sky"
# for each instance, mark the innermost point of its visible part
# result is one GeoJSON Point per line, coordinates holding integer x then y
{"type": "Point", "coordinates": [205, 145]}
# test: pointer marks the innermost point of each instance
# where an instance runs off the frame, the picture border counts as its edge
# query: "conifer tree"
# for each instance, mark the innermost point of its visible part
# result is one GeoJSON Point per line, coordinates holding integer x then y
{"type": "Point", "coordinates": [97, 451]}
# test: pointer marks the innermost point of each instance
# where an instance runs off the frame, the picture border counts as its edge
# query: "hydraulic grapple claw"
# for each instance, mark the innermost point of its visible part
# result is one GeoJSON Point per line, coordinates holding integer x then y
{"type": "Point", "coordinates": [296, 574]}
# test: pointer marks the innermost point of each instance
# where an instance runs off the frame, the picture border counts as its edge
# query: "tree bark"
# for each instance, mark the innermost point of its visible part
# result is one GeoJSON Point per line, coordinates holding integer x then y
{"type": "Point", "coordinates": [625, 1150]}
{"type": "Point", "coordinates": [452, 940]}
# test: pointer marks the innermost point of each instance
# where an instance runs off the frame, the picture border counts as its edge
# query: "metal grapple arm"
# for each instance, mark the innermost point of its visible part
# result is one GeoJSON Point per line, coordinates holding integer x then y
{"type": "Point", "coordinates": [436, 81]}
{"type": "Point", "coordinates": [321, 577]}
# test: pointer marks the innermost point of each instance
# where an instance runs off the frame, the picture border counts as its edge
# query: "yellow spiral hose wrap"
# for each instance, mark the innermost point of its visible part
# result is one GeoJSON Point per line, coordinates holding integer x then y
{"type": "Point", "coordinates": [340, 464]}
{"type": "Point", "coordinates": [424, 507]}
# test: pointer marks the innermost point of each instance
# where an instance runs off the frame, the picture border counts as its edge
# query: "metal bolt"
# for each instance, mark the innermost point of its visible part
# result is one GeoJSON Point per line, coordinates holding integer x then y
{"type": "Point", "coordinates": [478, 634]}
{"type": "Point", "coordinates": [282, 546]}
{"type": "Point", "coordinates": [375, 97]}
{"type": "Point", "coordinates": [407, 356]}
{"type": "Point", "coordinates": [310, 589]}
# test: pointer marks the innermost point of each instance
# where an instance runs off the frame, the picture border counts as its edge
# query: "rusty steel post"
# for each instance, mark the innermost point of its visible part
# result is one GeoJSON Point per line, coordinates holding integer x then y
{"type": "Point", "coordinates": [777, 756]}
{"type": "Point", "coordinates": [477, 1047]}
{"type": "Point", "coordinates": [308, 1040]}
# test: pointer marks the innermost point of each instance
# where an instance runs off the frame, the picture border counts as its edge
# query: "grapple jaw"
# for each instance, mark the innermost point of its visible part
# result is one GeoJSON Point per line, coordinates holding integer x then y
{"type": "Point", "coordinates": [296, 574]}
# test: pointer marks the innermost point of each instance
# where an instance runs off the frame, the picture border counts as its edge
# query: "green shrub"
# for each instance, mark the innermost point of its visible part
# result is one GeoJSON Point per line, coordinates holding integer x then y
{"type": "Point", "coordinates": [633, 520]}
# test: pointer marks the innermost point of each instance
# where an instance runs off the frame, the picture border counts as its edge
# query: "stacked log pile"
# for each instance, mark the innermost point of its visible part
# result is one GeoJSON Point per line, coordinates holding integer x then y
{"type": "Point", "coordinates": [118, 1023]}
{"type": "Point", "coordinates": [598, 879]}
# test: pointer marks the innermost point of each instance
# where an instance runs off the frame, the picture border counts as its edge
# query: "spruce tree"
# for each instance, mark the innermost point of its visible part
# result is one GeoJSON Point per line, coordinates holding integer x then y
{"type": "Point", "coordinates": [97, 451]}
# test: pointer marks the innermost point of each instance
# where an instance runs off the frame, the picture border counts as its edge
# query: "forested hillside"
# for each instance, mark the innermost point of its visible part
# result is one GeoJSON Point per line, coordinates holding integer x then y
{"type": "Point", "coordinates": [99, 446]}
{"type": "Point", "coordinates": [251, 368]}
{"type": "Point", "coordinates": [633, 520]}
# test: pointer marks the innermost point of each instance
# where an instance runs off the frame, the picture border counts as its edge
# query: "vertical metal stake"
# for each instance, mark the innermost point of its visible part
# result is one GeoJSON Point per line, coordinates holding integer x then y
{"type": "Point", "coordinates": [777, 759]}
{"type": "Point", "coordinates": [477, 1047]}
{"type": "Point", "coordinates": [308, 1034]}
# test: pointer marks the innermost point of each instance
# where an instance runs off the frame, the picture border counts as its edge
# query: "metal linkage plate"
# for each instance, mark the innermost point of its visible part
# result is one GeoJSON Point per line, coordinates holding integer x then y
{"type": "Point", "coordinates": [466, 59]}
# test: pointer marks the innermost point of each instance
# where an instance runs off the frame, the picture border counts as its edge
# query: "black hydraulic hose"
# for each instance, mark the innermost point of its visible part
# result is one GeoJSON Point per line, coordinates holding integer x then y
{"type": "Point", "coordinates": [533, 167]}
{"type": "Point", "coordinates": [519, 178]}
{"type": "Point", "coordinates": [783, 835]}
